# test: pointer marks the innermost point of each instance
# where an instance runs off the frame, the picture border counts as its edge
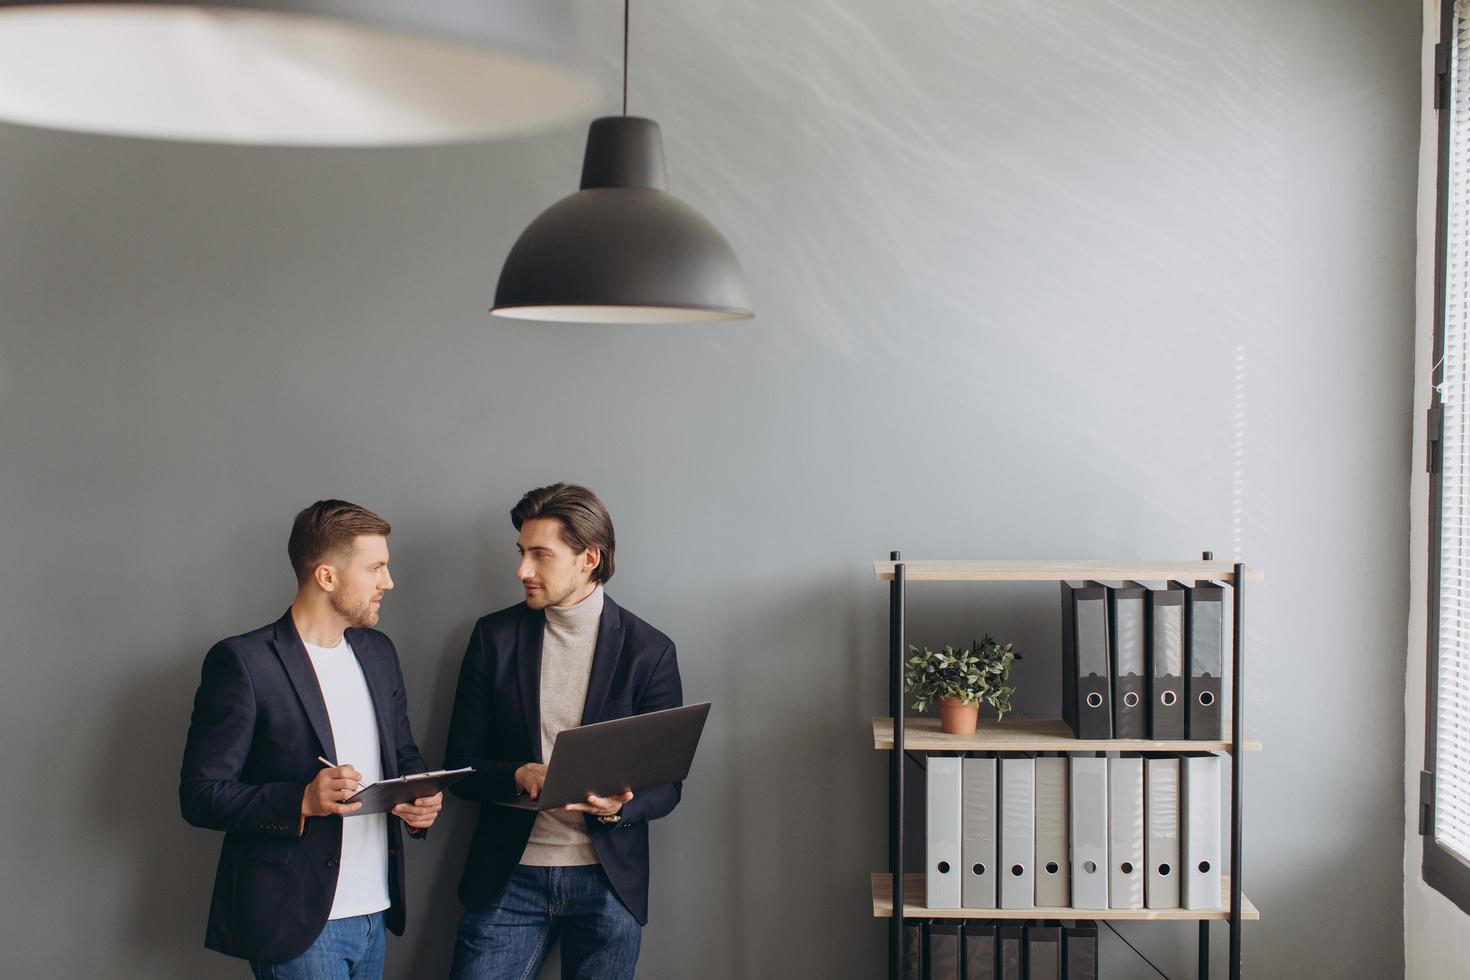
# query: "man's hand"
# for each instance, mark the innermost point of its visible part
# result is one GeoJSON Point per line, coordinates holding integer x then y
{"type": "Point", "coordinates": [325, 793]}
{"type": "Point", "coordinates": [601, 806]}
{"type": "Point", "coordinates": [530, 778]}
{"type": "Point", "coordinates": [421, 813]}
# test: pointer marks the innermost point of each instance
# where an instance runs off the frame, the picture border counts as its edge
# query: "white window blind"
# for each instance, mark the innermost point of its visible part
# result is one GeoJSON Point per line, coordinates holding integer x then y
{"type": "Point", "coordinates": [1452, 715]}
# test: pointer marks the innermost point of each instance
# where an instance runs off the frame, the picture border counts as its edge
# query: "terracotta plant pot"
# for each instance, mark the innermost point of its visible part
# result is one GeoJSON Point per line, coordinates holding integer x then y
{"type": "Point", "coordinates": [956, 718]}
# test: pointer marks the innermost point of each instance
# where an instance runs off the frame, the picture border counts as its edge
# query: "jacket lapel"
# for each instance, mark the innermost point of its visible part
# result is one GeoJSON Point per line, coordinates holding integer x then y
{"type": "Point", "coordinates": [528, 669]}
{"type": "Point", "coordinates": [366, 653]}
{"type": "Point", "coordinates": [298, 667]}
{"type": "Point", "coordinates": [604, 660]}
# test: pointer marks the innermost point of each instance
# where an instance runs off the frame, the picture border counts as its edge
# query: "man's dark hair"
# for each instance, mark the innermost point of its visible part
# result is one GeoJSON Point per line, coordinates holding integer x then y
{"type": "Point", "coordinates": [585, 522]}
{"type": "Point", "coordinates": [326, 528]}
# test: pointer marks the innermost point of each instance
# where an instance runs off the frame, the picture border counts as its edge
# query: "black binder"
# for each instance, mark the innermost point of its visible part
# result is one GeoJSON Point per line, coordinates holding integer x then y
{"type": "Point", "coordinates": [979, 946]}
{"type": "Point", "coordinates": [1204, 631]}
{"type": "Point", "coordinates": [944, 951]}
{"type": "Point", "coordinates": [1043, 953]}
{"type": "Point", "coordinates": [1080, 951]}
{"type": "Point", "coordinates": [912, 960]}
{"type": "Point", "coordinates": [1009, 959]}
{"type": "Point", "coordinates": [1165, 611]}
{"type": "Point", "coordinates": [1126, 630]}
{"type": "Point", "coordinates": [1086, 690]}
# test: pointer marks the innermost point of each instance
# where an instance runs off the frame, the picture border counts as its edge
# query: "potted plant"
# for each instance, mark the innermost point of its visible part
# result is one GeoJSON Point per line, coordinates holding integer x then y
{"type": "Point", "coordinates": [959, 680]}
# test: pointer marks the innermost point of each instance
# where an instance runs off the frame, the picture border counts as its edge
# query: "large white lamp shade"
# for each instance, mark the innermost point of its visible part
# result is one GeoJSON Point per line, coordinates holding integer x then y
{"type": "Point", "coordinates": [309, 73]}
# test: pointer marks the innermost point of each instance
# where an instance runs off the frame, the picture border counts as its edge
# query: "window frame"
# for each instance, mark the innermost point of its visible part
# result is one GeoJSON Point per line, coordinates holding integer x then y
{"type": "Point", "coordinates": [1441, 868]}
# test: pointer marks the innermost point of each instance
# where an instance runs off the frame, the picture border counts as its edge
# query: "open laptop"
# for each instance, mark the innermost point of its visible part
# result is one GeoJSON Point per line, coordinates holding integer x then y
{"type": "Point", "coordinates": [612, 757]}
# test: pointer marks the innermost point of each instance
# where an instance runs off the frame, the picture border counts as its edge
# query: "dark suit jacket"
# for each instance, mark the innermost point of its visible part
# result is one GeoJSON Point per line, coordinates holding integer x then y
{"type": "Point", "coordinates": [496, 727]}
{"type": "Point", "coordinates": [259, 723]}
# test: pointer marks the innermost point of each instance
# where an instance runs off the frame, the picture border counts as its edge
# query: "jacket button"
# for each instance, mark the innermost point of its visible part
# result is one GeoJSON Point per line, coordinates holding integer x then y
{"type": "Point", "coordinates": [331, 862]}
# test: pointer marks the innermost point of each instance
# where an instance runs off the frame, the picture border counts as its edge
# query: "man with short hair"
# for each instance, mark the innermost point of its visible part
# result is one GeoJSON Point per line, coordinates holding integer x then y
{"type": "Point", "coordinates": [566, 656]}
{"type": "Point", "coordinates": [303, 883]}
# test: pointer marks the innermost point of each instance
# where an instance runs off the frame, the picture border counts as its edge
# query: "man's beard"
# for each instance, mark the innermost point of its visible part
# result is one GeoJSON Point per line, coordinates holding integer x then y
{"type": "Point", "coordinates": [547, 599]}
{"type": "Point", "coordinates": [360, 615]}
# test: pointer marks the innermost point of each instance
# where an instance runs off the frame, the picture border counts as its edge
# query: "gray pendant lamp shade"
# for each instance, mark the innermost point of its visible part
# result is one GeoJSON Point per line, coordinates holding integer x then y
{"type": "Point", "coordinates": [622, 249]}
{"type": "Point", "coordinates": [292, 72]}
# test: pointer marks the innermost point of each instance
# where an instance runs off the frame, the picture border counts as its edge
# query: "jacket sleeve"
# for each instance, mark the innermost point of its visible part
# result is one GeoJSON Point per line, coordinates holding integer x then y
{"type": "Point", "coordinates": [211, 793]}
{"type": "Point", "coordinates": [663, 690]}
{"type": "Point", "coordinates": [471, 740]}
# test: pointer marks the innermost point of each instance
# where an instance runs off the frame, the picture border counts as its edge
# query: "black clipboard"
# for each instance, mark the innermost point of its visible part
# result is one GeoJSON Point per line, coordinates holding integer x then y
{"type": "Point", "coordinates": [385, 794]}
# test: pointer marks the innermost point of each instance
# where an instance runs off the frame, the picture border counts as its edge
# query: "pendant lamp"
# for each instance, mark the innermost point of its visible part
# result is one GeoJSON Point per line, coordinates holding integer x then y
{"type": "Point", "coordinates": [622, 249]}
{"type": "Point", "coordinates": [292, 72]}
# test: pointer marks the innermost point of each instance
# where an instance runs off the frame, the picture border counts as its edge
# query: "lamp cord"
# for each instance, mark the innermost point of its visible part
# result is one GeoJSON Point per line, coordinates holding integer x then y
{"type": "Point", "coordinates": [626, 4]}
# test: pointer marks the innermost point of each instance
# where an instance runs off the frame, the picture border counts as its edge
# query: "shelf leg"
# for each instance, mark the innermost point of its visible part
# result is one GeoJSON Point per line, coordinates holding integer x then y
{"type": "Point", "coordinates": [895, 766]}
{"type": "Point", "coordinates": [1237, 756]}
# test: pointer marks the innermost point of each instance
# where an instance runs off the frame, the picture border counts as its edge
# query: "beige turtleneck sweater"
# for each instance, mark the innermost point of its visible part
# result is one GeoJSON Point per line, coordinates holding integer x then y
{"type": "Point", "coordinates": [560, 840]}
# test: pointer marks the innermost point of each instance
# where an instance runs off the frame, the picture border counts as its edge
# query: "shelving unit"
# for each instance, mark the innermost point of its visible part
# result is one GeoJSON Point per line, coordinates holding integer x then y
{"type": "Point", "coordinates": [896, 890]}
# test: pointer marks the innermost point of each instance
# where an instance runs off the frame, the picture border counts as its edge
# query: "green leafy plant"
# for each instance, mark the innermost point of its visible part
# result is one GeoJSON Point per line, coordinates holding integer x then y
{"type": "Point", "coordinates": [974, 676]}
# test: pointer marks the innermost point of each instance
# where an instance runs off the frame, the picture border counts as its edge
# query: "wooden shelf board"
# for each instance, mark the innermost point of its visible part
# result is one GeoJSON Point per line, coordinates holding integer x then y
{"type": "Point", "coordinates": [1028, 735]}
{"type": "Point", "coordinates": [914, 908]}
{"type": "Point", "coordinates": [1056, 571]}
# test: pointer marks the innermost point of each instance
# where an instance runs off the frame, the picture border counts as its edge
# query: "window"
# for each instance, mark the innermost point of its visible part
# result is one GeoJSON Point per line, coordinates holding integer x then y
{"type": "Point", "coordinates": [1445, 784]}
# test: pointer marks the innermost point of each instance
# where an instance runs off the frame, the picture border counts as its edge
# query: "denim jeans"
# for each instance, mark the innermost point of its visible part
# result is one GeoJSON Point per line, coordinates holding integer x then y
{"type": "Point", "coordinates": [347, 949]}
{"type": "Point", "coordinates": [510, 939]}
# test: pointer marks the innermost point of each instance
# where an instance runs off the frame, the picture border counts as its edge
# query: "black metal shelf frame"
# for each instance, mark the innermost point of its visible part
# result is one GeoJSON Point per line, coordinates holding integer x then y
{"type": "Point", "coordinates": [897, 625]}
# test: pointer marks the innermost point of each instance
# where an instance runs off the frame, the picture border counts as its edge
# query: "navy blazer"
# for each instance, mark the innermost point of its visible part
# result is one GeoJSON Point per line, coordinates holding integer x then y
{"type": "Point", "coordinates": [496, 727]}
{"type": "Point", "coordinates": [259, 723]}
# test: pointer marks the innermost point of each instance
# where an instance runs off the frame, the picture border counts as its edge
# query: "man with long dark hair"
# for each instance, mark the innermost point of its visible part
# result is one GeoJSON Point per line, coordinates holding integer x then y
{"type": "Point", "coordinates": [566, 656]}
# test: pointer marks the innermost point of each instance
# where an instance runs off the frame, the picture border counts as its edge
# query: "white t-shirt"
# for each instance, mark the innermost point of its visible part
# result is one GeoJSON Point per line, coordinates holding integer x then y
{"type": "Point", "coordinates": [362, 872]}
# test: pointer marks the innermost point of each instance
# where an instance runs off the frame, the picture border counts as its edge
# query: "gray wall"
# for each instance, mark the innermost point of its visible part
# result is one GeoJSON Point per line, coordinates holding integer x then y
{"type": "Point", "coordinates": [1035, 279]}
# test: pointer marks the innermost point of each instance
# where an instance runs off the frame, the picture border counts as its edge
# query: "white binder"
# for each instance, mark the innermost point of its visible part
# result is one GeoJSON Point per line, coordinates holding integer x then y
{"type": "Point", "coordinates": [1201, 836]}
{"type": "Point", "coordinates": [1125, 832]}
{"type": "Point", "coordinates": [1017, 833]}
{"type": "Point", "coordinates": [942, 832]}
{"type": "Point", "coordinates": [1051, 833]}
{"type": "Point", "coordinates": [1090, 833]}
{"type": "Point", "coordinates": [977, 844]}
{"type": "Point", "coordinates": [1161, 829]}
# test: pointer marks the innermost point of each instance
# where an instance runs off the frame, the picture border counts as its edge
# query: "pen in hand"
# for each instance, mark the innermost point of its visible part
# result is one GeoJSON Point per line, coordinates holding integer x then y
{"type": "Point", "coordinates": [333, 765]}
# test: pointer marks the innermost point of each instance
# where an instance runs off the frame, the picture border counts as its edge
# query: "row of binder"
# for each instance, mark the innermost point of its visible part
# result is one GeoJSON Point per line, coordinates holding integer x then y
{"type": "Point", "coordinates": [1143, 660]}
{"type": "Point", "coordinates": [999, 951]}
{"type": "Point", "coordinates": [1130, 832]}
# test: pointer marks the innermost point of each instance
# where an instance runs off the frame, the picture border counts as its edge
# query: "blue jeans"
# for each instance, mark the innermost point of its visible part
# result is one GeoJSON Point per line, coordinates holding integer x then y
{"type": "Point", "coordinates": [347, 949]}
{"type": "Point", "coordinates": [510, 939]}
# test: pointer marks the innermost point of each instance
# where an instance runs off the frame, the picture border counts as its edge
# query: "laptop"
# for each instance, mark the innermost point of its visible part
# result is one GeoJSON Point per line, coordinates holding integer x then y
{"type": "Point", "coordinates": [612, 757]}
